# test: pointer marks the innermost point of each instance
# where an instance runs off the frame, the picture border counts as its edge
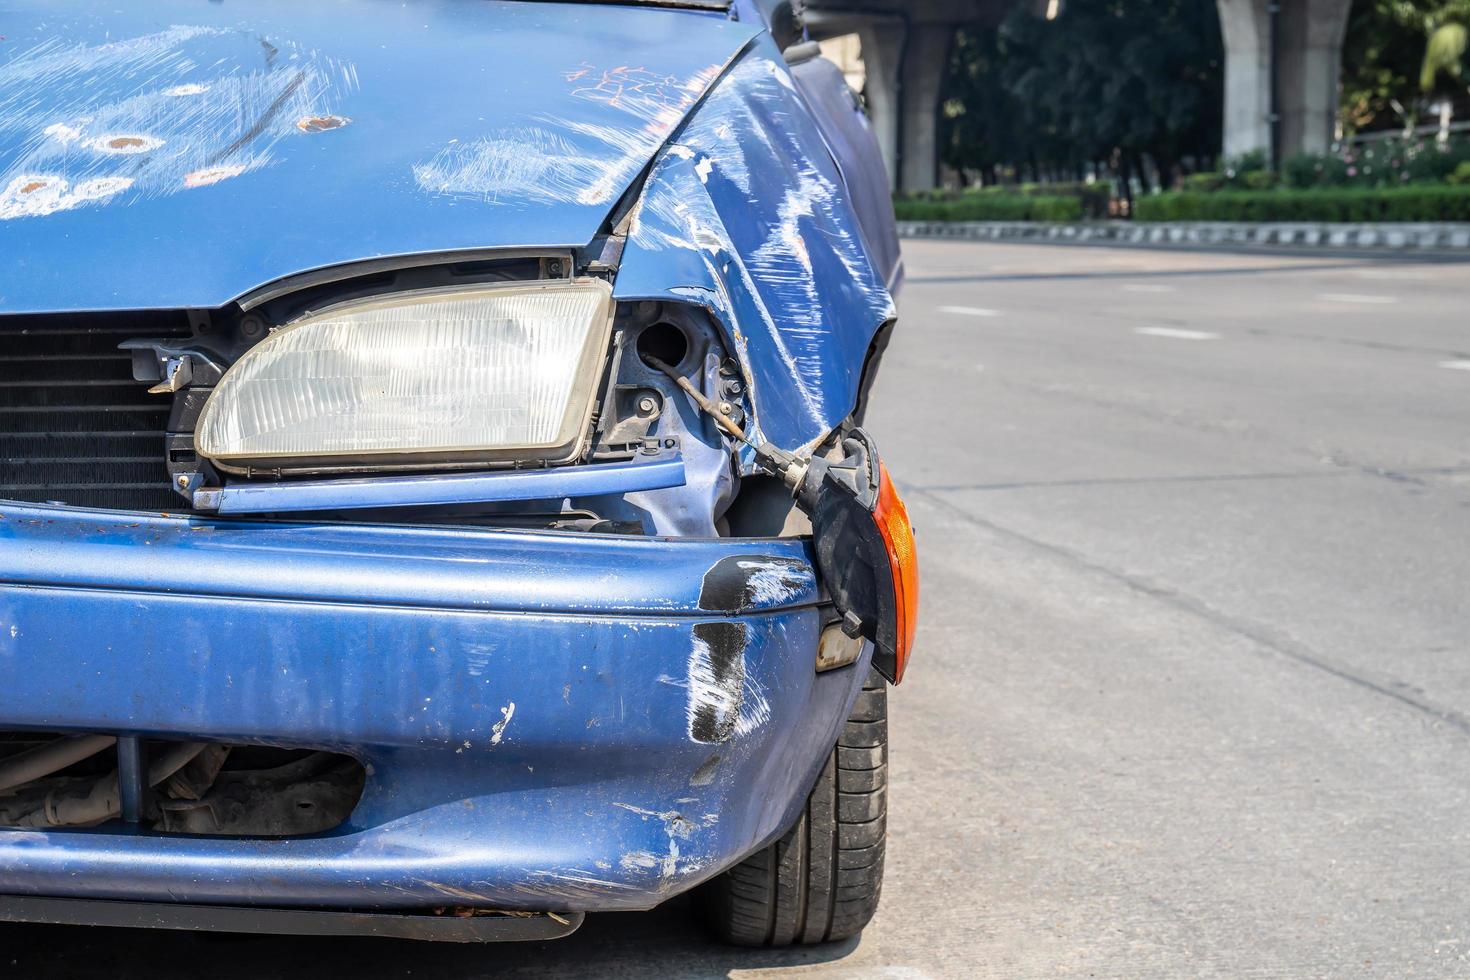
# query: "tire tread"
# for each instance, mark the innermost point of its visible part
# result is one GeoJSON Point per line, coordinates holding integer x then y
{"type": "Point", "coordinates": [821, 881]}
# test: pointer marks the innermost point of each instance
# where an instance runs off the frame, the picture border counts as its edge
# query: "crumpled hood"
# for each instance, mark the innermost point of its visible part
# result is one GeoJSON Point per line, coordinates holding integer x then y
{"type": "Point", "coordinates": [180, 154]}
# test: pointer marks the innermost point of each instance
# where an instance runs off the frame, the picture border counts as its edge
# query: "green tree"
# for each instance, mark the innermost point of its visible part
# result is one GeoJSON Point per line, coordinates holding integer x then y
{"type": "Point", "coordinates": [1401, 56]}
{"type": "Point", "coordinates": [1107, 81]}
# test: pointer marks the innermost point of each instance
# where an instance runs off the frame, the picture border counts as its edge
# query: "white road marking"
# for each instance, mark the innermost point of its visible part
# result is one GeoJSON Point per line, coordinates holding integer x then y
{"type": "Point", "coordinates": [1358, 298]}
{"type": "Point", "coordinates": [969, 311]}
{"type": "Point", "coordinates": [1396, 274]}
{"type": "Point", "coordinates": [1457, 365]}
{"type": "Point", "coordinates": [1146, 287]}
{"type": "Point", "coordinates": [1176, 334]}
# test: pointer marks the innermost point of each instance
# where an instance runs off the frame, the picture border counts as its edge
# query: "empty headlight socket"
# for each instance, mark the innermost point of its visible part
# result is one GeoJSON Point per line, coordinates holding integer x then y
{"type": "Point", "coordinates": [637, 393]}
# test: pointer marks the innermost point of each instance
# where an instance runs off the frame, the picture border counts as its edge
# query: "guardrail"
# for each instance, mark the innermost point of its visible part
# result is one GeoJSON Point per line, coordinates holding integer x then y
{"type": "Point", "coordinates": [1427, 237]}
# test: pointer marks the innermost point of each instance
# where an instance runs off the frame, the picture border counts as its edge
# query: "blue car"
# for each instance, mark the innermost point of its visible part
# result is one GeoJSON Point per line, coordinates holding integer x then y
{"type": "Point", "coordinates": [434, 500]}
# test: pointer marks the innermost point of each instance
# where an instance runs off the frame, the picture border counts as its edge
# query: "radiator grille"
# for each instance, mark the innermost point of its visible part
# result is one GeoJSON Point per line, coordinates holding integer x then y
{"type": "Point", "coordinates": [74, 425]}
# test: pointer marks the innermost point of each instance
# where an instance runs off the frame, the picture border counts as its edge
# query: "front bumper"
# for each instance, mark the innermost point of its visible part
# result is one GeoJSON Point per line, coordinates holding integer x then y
{"type": "Point", "coordinates": [548, 721]}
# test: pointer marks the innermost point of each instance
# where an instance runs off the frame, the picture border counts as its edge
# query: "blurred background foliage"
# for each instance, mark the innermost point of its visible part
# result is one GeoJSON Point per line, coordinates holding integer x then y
{"type": "Point", "coordinates": [1128, 94]}
{"type": "Point", "coordinates": [1098, 88]}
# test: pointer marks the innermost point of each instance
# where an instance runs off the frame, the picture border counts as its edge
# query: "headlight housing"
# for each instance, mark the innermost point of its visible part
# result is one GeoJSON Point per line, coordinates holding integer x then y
{"type": "Point", "coordinates": [416, 380]}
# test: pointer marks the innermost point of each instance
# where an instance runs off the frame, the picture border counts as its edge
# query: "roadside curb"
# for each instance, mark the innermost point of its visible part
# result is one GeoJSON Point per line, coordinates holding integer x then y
{"type": "Point", "coordinates": [1425, 237]}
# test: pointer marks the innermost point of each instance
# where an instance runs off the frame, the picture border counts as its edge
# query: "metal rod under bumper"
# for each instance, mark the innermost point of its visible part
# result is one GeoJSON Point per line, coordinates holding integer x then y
{"type": "Point", "coordinates": [487, 928]}
{"type": "Point", "coordinates": [552, 483]}
{"type": "Point", "coordinates": [130, 780]}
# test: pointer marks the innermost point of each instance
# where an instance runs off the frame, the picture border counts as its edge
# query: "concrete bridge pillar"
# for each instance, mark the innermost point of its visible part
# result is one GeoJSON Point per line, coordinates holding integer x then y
{"type": "Point", "coordinates": [924, 66]}
{"type": "Point", "coordinates": [1309, 41]}
{"type": "Point", "coordinates": [904, 64]}
{"type": "Point", "coordinates": [905, 47]}
{"type": "Point", "coordinates": [881, 42]}
{"type": "Point", "coordinates": [1245, 26]}
{"type": "Point", "coordinates": [1311, 68]}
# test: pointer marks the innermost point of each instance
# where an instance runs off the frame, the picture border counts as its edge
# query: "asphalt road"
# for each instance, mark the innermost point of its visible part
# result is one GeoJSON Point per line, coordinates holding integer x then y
{"type": "Point", "coordinates": [1192, 689]}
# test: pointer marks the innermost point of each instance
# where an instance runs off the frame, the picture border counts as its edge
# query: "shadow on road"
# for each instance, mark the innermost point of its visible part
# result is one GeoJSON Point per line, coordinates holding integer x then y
{"type": "Point", "coordinates": [667, 942]}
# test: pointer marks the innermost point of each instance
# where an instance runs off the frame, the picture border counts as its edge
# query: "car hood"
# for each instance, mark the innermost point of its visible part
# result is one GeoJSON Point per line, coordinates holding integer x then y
{"type": "Point", "coordinates": [180, 154]}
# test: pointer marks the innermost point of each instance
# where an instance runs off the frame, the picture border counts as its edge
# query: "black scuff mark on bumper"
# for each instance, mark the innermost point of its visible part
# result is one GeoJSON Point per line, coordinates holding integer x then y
{"type": "Point", "coordinates": [716, 681]}
{"type": "Point", "coordinates": [739, 582]}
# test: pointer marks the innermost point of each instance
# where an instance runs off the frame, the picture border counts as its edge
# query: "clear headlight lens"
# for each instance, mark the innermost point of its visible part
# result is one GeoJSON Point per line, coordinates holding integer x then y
{"type": "Point", "coordinates": [417, 379]}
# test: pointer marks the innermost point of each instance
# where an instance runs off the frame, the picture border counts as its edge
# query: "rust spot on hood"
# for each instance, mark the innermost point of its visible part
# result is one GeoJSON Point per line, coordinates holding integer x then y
{"type": "Point", "coordinates": [320, 124]}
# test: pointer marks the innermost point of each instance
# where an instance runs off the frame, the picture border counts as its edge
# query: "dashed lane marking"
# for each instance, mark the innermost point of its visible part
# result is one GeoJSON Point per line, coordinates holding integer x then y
{"type": "Point", "coordinates": [1174, 333]}
{"type": "Point", "coordinates": [968, 311]}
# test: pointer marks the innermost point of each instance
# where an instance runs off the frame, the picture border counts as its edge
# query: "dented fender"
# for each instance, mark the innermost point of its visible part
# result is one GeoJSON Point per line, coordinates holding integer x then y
{"type": "Point", "coordinates": [746, 213]}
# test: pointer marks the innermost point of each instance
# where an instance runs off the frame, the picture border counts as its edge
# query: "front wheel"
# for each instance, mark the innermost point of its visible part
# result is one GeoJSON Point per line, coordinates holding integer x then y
{"type": "Point", "coordinates": [821, 881]}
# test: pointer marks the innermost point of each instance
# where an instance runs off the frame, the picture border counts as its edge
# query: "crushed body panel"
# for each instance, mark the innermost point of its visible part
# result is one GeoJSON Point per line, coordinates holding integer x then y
{"type": "Point", "coordinates": [495, 685]}
{"type": "Point", "coordinates": [746, 213]}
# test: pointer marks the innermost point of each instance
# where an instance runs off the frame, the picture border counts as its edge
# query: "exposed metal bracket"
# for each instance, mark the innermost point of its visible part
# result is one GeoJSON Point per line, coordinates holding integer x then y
{"type": "Point", "coordinates": [171, 363]}
{"type": "Point", "coordinates": [132, 784]}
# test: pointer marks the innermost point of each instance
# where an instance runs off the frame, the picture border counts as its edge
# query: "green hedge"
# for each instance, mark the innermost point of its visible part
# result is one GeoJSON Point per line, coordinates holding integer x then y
{"type": "Point", "coordinates": [1094, 197]}
{"type": "Point", "coordinates": [1414, 203]}
{"type": "Point", "coordinates": [990, 207]}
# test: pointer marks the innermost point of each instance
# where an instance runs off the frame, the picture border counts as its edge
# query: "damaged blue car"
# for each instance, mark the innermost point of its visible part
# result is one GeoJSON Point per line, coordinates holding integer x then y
{"type": "Point", "coordinates": [434, 500]}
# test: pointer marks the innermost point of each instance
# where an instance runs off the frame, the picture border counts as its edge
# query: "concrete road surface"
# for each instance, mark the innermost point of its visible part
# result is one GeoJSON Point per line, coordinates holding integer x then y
{"type": "Point", "coordinates": [1192, 690]}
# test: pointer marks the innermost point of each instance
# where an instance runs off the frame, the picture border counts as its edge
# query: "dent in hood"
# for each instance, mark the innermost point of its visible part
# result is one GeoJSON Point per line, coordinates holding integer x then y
{"type": "Point", "coordinates": [184, 154]}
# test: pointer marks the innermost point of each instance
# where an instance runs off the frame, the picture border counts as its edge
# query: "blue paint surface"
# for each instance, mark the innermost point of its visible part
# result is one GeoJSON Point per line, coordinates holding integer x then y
{"type": "Point", "coordinates": [457, 126]}
{"type": "Point", "coordinates": [518, 761]}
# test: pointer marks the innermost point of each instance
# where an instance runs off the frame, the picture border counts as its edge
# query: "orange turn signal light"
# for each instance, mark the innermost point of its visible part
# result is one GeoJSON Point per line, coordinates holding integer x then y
{"type": "Point", "coordinates": [892, 518]}
{"type": "Point", "coordinates": [865, 551]}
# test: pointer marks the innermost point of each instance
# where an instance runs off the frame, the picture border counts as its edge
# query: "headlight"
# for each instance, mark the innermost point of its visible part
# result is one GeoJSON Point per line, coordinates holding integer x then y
{"type": "Point", "coordinates": [415, 380]}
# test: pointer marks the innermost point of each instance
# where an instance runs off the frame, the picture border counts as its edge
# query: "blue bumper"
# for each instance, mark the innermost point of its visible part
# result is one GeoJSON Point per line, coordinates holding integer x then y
{"type": "Point", "coordinates": [548, 721]}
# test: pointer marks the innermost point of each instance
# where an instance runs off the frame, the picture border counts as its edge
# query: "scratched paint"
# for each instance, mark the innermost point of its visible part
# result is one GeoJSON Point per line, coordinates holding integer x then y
{"type": "Point", "coordinates": [677, 827]}
{"type": "Point", "coordinates": [716, 681]}
{"type": "Point", "coordinates": [567, 160]}
{"type": "Point", "coordinates": [497, 731]}
{"type": "Point", "coordinates": [775, 582]}
{"type": "Point", "coordinates": [747, 215]}
{"type": "Point", "coordinates": [32, 195]}
{"type": "Point", "coordinates": [154, 115]}
{"type": "Point", "coordinates": [725, 700]}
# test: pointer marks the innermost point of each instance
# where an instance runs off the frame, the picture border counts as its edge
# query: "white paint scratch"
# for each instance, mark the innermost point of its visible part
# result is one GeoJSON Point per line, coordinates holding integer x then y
{"type": "Point", "coordinates": [711, 697]}
{"type": "Point", "coordinates": [565, 160]}
{"type": "Point", "coordinates": [211, 175]}
{"type": "Point", "coordinates": [498, 729]}
{"type": "Point", "coordinates": [1456, 365]}
{"type": "Point", "coordinates": [968, 311]}
{"type": "Point", "coordinates": [773, 583]}
{"type": "Point", "coordinates": [33, 195]}
{"type": "Point", "coordinates": [677, 827]}
{"type": "Point", "coordinates": [639, 860]}
{"type": "Point", "coordinates": [514, 167]}
{"type": "Point", "coordinates": [755, 710]}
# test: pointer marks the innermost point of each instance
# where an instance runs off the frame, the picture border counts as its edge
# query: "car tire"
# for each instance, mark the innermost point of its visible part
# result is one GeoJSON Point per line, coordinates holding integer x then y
{"type": "Point", "coordinates": [821, 881]}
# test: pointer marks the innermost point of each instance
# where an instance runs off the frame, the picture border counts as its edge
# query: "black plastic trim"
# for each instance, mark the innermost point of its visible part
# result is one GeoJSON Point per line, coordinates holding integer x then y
{"type": "Point", "coordinates": [488, 928]}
